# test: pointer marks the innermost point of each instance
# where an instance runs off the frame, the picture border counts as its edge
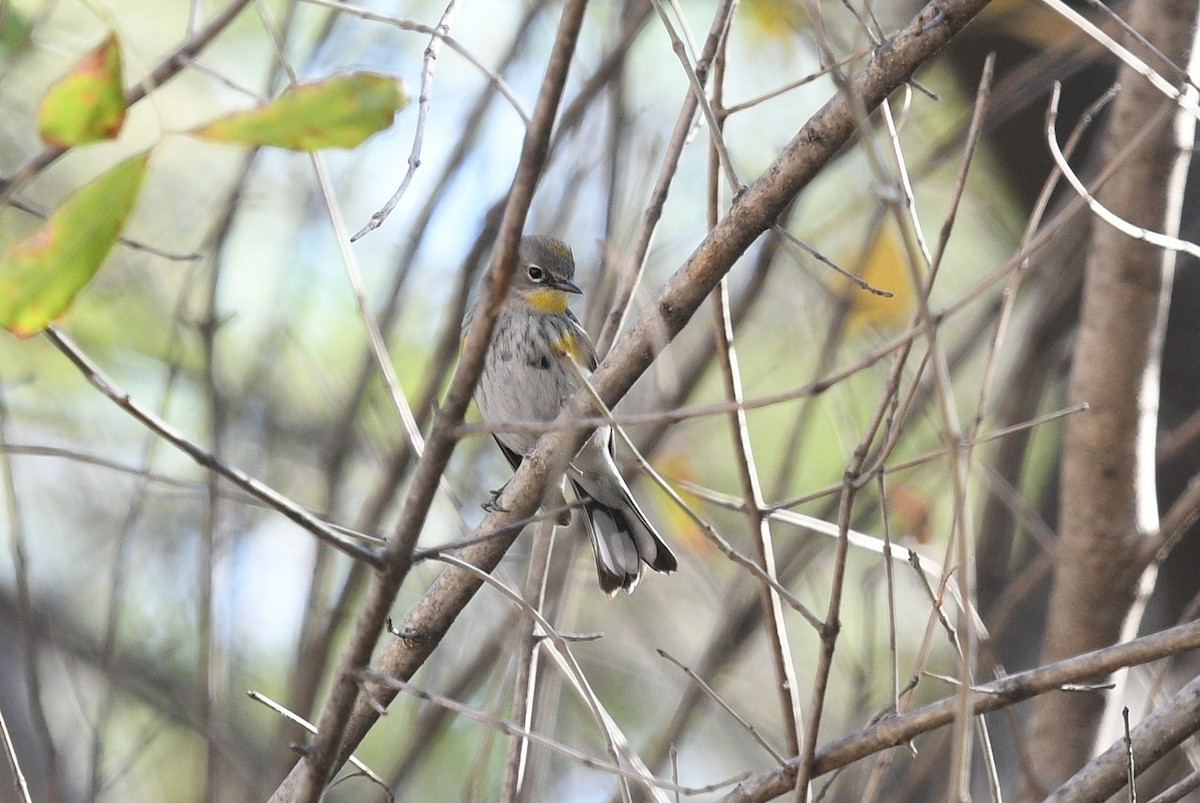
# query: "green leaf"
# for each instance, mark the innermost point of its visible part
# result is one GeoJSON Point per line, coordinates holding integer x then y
{"type": "Point", "coordinates": [40, 275]}
{"type": "Point", "coordinates": [87, 104]}
{"type": "Point", "coordinates": [15, 31]}
{"type": "Point", "coordinates": [337, 112]}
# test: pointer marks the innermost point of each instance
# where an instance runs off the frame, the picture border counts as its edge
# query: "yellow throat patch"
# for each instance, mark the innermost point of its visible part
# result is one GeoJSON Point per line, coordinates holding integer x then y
{"type": "Point", "coordinates": [548, 300]}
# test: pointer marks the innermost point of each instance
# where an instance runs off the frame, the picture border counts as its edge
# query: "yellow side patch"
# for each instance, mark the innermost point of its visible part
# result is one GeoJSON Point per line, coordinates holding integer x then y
{"type": "Point", "coordinates": [567, 343]}
{"type": "Point", "coordinates": [547, 300]}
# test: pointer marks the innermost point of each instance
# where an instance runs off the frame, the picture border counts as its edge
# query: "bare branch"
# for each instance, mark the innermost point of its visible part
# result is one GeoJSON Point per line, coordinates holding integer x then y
{"type": "Point", "coordinates": [753, 212]}
{"type": "Point", "coordinates": [414, 156]}
{"type": "Point", "coordinates": [291, 716]}
{"type": "Point", "coordinates": [712, 694]}
{"type": "Point", "coordinates": [320, 761]}
{"type": "Point", "coordinates": [14, 765]}
{"type": "Point", "coordinates": [206, 459]}
{"type": "Point", "coordinates": [1158, 734]}
{"type": "Point", "coordinates": [998, 694]}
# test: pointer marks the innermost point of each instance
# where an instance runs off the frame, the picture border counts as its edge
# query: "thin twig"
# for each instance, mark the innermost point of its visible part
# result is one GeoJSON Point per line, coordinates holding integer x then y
{"type": "Point", "coordinates": [858, 281]}
{"type": "Point", "coordinates": [414, 157]}
{"type": "Point", "coordinates": [711, 693]}
{"type": "Point", "coordinates": [959, 459]}
{"type": "Point", "coordinates": [1180, 98]}
{"type": "Point", "coordinates": [255, 488]}
{"type": "Point", "coordinates": [560, 652]}
{"type": "Point", "coordinates": [416, 27]}
{"type": "Point", "coordinates": [697, 83]}
{"type": "Point", "coordinates": [993, 696]}
{"type": "Point", "coordinates": [259, 697]}
{"type": "Point", "coordinates": [1181, 74]}
{"type": "Point", "coordinates": [758, 527]}
{"type": "Point", "coordinates": [320, 761]}
{"type": "Point", "coordinates": [759, 530]}
{"type": "Point", "coordinates": [379, 348]}
{"type": "Point", "coordinates": [40, 211]}
{"type": "Point", "coordinates": [1130, 764]}
{"type": "Point", "coordinates": [799, 82]}
{"type": "Point", "coordinates": [525, 679]}
{"type": "Point", "coordinates": [710, 532]}
{"type": "Point", "coordinates": [680, 134]}
{"type": "Point", "coordinates": [751, 214]}
{"type": "Point", "coordinates": [422, 734]}
{"type": "Point", "coordinates": [510, 729]}
{"type": "Point", "coordinates": [829, 631]}
{"type": "Point", "coordinates": [1154, 238]}
{"type": "Point", "coordinates": [18, 544]}
{"type": "Point", "coordinates": [14, 765]}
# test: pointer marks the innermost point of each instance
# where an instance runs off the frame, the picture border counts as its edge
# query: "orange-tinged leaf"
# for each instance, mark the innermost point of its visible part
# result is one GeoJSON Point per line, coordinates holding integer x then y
{"type": "Point", "coordinates": [337, 112]}
{"type": "Point", "coordinates": [40, 275]}
{"type": "Point", "coordinates": [912, 511]}
{"type": "Point", "coordinates": [87, 104]}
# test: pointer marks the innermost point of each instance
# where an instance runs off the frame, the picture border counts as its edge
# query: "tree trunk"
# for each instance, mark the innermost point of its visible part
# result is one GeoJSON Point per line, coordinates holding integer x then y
{"type": "Point", "coordinates": [1108, 504]}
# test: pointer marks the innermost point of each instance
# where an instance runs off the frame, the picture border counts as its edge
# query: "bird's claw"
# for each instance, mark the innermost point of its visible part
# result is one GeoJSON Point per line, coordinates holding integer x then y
{"type": "Point", "coordinates": [493, 505]}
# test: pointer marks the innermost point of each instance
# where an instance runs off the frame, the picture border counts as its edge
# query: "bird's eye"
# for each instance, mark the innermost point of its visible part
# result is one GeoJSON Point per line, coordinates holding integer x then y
{"type": "Point", "coordinates": [536, 274]}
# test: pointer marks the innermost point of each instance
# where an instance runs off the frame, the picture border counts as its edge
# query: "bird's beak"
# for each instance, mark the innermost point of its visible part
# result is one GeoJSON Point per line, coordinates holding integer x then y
{"type": "Point", "coordinates": [567, 286]}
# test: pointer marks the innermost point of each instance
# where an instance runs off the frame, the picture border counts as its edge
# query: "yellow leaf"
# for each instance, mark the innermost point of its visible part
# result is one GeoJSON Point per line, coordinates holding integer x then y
{"type": "Point", "coordinates": [883, 267]}
{"type": "Point", "coordinates": [775, 19]}
{"type": "Point", "coordinates": [679, 527]}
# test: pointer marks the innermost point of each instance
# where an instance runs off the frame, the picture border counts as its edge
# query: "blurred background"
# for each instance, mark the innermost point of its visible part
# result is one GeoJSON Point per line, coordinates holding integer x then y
{"type": "Point", "coordinates": [140, 598]}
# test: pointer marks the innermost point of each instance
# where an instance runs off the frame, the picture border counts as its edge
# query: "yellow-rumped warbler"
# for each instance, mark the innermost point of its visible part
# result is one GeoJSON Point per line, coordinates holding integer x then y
{"type": "Point", "coordinates": [528, 376]}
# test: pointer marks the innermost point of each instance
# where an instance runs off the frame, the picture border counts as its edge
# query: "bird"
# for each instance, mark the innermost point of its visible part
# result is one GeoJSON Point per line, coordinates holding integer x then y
{"type": "Point", "coordinates": [528, 375]}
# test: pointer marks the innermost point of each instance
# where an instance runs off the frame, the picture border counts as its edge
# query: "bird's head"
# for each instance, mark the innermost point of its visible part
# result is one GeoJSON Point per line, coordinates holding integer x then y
{"type": "Point", "coordinates": [545, 274]}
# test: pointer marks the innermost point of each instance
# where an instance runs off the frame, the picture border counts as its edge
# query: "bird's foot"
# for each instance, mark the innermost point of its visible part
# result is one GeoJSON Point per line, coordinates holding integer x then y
{"type": "Point", "coordinates": [493, 505]}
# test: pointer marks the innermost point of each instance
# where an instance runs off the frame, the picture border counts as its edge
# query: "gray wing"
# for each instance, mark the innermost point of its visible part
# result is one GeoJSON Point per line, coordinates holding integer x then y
{"type": "Point", "coordinates": [466, 325]}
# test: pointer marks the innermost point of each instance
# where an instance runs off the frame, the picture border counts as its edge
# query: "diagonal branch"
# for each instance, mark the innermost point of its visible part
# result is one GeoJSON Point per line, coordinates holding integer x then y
{"type": "Point", "coordinates": [322, 758]}
{"type": "Point", "coordinates": [903, 728]}
{"type": "Point", "coordinates": [1104, 776]}
{"type": "Point", "coordinates": [205, 458]}
{"type": "Point", "coordinates": [753, 212]}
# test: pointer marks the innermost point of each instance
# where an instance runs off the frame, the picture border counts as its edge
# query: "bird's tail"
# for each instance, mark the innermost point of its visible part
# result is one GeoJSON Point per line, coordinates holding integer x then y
{"type": "Point", "coordinates": [622, 540]}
